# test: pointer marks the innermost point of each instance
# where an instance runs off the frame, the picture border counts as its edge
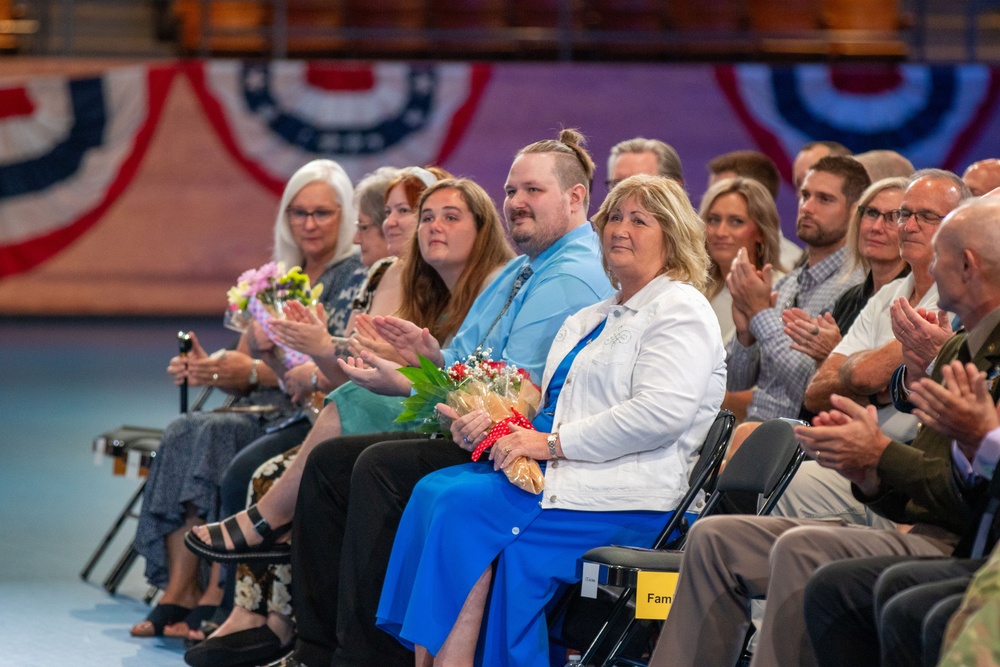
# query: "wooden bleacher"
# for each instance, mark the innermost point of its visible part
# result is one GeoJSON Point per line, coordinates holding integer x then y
{"type": "Point", "coordinates": [605, 29]}
{"type": "Point", "coordinates": [13, 27]}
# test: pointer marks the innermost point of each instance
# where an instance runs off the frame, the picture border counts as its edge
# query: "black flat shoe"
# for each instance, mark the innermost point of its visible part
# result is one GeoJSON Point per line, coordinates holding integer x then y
{"type": "Point", "coordinates": [266, 552]}
{"type": "Point", "coordinates": [255, 646]}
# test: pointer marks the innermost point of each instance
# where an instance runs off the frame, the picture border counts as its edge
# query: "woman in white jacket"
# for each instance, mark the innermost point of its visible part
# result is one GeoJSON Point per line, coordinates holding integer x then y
{"type": "Point", "coordinates": [630, 388]}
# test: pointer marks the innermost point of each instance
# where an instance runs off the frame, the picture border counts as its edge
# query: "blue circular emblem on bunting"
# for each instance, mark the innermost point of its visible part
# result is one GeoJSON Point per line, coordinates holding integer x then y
{"type": "Point", "coordinates": [363, 139]}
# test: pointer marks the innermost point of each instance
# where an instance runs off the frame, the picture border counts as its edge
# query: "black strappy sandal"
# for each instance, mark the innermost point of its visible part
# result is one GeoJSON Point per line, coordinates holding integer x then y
{"type": "Point", "coordinates": [265, 552]}
{"type": "Point", "coordinates": [160, 617]}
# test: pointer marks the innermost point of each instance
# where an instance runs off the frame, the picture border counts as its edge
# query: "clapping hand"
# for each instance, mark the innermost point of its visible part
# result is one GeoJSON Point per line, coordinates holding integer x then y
{"type": "Point", "coordinates": [814, 336]}
{"type": "Point", "coordinates": [847, 439]}
{"type": "Point", "coordinates": [751, 292]}
{"type": "Point", "coordinates": [409, 340]}
{"type": "Point", "coordinates": [375, 374]}
{"type": "Point", "coordinates": [303, 329]}
{"type": "Point", "coordinates": [366, 337]}
{"type": "Point", "coordinates": [921, 333]}
{"type": "Point", "coordinates": [960, 408]}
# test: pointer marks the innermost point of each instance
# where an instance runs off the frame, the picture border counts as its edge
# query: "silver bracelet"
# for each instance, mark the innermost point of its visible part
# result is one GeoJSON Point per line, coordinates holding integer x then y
{"type": "Point", "coordinates": [551, 441]}
{"type": "Point", "coordinates": [254, 378]}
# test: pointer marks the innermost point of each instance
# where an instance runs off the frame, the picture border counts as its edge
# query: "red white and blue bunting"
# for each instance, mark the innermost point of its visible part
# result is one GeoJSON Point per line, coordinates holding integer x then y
{"type": "Point", "coordinates": [929, 114]}
{"type": "Point", "coordinates": [275, 116]}
{"type": "Point", "coordinates": [68, 148]}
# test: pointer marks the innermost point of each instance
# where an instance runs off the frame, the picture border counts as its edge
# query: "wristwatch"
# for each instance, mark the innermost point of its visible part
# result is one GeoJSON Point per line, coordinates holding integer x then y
{"type": "Point", "coordinates": [550, 440]}
{"type": "Point", "coordinates": [253, 378]}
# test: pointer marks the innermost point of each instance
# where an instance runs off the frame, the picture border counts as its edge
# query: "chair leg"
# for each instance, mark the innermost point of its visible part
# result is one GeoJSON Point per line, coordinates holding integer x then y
{"type": "Point", "coordinates": [623, 640]}
{"type": "Point", "coordinates": [621, 604]}
{"type": "Point", "coordinates": [112, 532]}
{"type": "Point", "coordinates": [121, 569]}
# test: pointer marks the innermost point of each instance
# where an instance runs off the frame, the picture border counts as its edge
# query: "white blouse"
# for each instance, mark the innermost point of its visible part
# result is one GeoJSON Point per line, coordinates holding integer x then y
{"type": "Point", "coordinates": [638, 400]}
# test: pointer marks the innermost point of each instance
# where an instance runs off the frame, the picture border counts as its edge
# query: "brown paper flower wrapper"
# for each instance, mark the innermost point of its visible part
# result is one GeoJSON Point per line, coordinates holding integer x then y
{"type": "Point", "coordinates": [526, 474]}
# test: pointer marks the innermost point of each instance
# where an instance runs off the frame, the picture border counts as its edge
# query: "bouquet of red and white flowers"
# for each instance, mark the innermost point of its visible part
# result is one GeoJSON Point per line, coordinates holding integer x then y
{"type": "Point", "coordinates": [503, 391]}
{"type": "Point", "coordinates": [261, 294]}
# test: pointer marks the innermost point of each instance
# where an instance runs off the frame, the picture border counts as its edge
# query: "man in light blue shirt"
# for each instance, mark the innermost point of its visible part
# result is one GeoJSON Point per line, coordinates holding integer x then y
{"type": "Point", "coordinates": [563, 254]}
{"type": "Point", "coordinates": [353, 490]}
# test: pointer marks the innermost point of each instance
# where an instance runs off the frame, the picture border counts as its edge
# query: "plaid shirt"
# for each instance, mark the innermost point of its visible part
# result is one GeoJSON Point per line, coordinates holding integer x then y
{"type": "Point", "coordinates": [780, 373]}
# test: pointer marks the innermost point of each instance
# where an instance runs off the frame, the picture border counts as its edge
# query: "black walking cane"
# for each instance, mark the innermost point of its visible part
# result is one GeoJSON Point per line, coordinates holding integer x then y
{"type": "Point", "coordinates": [184, 344]}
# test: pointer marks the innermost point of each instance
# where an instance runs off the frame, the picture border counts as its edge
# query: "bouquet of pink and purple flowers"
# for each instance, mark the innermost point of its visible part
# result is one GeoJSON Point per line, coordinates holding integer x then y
{"type": "Point", "coordinates": [261, 294]}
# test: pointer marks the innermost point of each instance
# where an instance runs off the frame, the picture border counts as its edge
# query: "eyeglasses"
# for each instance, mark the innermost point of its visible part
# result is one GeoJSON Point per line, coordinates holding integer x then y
{"type": "Point", "coordinates": [322, 216]}
{"type": "Point", "coordinates": [365, 226]}
{"type": "Point", "coordinates": [903, 215]}
{"type": "Point", "coordinates": [612, 183]}
{"type": "Point", "coordinates": [872, 214]}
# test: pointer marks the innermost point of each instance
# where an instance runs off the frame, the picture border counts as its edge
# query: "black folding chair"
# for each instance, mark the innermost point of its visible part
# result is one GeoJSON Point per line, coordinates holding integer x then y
{"type": "Point", "coordinates": [132, 449]}
{"type": "Point", "coordinates": [763, 465]}
{"type": "Point", "coordinates": [575, 616]}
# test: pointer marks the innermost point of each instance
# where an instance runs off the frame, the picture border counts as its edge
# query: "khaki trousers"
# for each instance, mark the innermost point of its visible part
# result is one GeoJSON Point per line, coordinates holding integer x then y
{"type": "Point", "coordinates": [731, 560]}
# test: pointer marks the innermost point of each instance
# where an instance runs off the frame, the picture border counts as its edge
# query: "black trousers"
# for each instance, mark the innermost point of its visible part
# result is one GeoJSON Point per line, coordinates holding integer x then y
{"type": "Point", "coordinates": [845, 600]}
{"type": "Point", "coordinates": [908, 612]}
{"type": "Point", "coordinates": [351, 498]}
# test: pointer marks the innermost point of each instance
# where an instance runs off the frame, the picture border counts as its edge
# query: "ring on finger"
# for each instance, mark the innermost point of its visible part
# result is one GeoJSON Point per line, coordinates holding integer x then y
{"type": "Point", "coordinates": [815, 331]}
{"type": "Point", "coordinates": [466, 438]}
{"type": "Point", "coordinates": [506, 450]}
{"type": "Point", "coordinates": [215, 377]}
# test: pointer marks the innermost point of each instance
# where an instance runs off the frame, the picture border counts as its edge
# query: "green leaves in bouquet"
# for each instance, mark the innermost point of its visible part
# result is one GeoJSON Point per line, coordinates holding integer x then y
{"type": "Point", "coordinates": [430, 387]}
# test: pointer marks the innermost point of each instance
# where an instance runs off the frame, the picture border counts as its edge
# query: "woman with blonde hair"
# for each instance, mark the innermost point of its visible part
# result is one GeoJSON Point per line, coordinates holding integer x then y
{"type": "Point", "coordinates": [630, 388]}
{"type": "Point", "coordinates": [739, 213]}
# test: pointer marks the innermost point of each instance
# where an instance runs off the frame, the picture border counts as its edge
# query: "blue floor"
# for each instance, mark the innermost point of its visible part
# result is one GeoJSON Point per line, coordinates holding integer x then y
{"type": "Point", "coordinates": [61, 383]}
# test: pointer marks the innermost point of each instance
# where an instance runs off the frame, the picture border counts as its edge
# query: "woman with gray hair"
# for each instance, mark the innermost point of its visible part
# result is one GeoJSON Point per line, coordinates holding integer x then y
{"type": "Point", "coordinates": [183, 485]}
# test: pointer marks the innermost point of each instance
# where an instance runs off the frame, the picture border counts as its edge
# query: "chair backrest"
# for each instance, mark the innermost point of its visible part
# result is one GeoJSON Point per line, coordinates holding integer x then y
{"type": "Point", "coordinates": [979, 547]}
{"type": "Point", "coordinates": [712, 451]}
{"type": "Point", "coordinates": [764, 464]}
{"type": "Point", "coordinates": [703, 473]}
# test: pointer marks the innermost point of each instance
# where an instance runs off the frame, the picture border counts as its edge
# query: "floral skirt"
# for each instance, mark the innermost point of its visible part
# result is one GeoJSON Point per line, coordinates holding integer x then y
{"type": "Point", "coordinates": [263, 588]}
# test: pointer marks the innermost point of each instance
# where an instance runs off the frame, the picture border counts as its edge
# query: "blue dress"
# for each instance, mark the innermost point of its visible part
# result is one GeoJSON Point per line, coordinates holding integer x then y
{"type": "Point", "coordinates": [461, 519]}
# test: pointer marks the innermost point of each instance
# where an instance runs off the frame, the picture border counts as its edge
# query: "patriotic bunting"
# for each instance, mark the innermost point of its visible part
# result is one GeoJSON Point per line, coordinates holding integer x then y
{"type": "Point", "coordinates": [68, 148]}
{"type": "Point", "coordinates": [928, 113]}
{"type": "Point", "coordinates": [276, 116]}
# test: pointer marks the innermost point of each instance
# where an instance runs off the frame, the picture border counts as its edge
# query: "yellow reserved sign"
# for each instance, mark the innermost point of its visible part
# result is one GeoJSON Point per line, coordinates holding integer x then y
{"type": "Point", "coordinates": [655, 594]}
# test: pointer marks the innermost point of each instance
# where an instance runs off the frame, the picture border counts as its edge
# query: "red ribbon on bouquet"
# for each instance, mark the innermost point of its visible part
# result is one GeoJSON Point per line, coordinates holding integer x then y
{"type": "Point", "coordinates": [499, 430]}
